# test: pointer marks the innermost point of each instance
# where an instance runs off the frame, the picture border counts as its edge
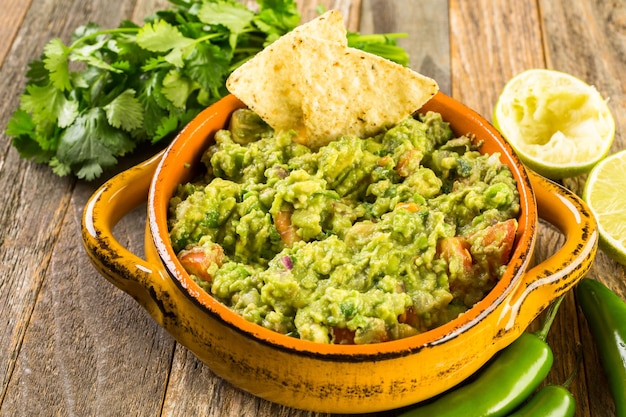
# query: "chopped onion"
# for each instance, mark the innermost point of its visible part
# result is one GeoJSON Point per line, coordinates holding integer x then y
{"type": "Point", "coordinates": [286, 260]}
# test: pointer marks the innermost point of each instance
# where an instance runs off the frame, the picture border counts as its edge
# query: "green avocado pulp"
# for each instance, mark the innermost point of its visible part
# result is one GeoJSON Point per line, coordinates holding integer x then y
{"type": "Point", "coordinates": [361, 241]}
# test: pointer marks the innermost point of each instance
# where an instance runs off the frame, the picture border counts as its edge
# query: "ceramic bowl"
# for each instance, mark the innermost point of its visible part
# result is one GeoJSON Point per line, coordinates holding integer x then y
{"type": "Point", "coordinates": [333, 378]}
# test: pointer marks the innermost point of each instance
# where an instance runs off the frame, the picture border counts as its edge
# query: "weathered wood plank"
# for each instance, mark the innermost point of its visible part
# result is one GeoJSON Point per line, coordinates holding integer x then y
{"type": "Point", "coordinates": [89, 350]}
{"type": "Point", "coordinates": [31, 223]}
{"type": "Point", "coordinates": [72, 344]}
{"type": "Point", "coordinates": [487, 49]}
{"type": "Point", "coordinates": [11, 18]}
{"type": "Point", "coordinates": [61, 355]}
{"type": "Point", "coordinates": [575, 39]}
{"type": "Point", "coordinates": [588, 39]}
{"type": "Point", "coordinates": [32, 227]}
{"type": "Point", "coordinates": [427, 28]}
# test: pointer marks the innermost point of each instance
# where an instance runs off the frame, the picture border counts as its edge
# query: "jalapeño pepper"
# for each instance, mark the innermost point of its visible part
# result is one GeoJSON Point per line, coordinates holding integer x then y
{"type": "Point", "coordinates": [549, 401]}
{"type": "Point", "coordinates": [605, 312]}
{"type": "Point", "coordinates": [552, 400]}
{"type": "Point", "coordinates": [503, 384]}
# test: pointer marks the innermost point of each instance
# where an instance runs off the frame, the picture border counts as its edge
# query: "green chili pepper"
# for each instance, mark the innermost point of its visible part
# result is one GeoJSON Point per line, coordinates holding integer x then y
{"type": "Point", "coordinates": [549, 401]}
{"type": "Point", "coordinates": [504, 383]}
{"type": "Point", "coordinates": [605, 312]}
{"type": "Point", "coordinates": [552, 400]}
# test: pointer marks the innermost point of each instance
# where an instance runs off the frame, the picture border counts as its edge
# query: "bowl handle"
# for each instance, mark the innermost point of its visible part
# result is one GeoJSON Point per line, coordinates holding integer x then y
{"type": "Point", "coordinates": [111, 202]}
{"type": "Point", "coordinates": [549, 279]}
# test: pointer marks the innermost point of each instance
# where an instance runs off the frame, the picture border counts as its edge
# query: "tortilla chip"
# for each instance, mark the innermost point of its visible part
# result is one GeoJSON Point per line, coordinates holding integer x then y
{"type": "Point", "coordinates": [328, 26]}
{"type": "Point", "coordinates": [269, 83]}
{"type": "Point", "coordinates": [311, 82]}
{"type": "Point", "coordinates": [351, 92]}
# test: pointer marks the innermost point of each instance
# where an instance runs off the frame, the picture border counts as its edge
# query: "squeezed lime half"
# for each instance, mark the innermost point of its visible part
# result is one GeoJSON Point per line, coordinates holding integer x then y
{"type": "Point", "coordinates": [557, 124]}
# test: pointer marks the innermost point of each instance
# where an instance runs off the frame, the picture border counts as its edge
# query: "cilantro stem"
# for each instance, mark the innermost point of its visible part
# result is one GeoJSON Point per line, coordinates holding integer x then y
{"type": "Point", "coordinates": [208, 37]}
{"type": "Point", "coordinates": [248, 50]}
{"type": "Point", "coordinates": [239, 63]}
{"type": "Point", "coordinates": [100, 33]}
{"type": "Point", "coordinates": [375, 37]}
{"type": "Point", "coordinates": [542, 333]}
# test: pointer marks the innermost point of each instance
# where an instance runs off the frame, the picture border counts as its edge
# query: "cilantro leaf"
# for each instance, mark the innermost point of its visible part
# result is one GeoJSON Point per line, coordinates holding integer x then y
{"type": "Point", "coordinates": [208, 65]}
{"type": "Point", "coordinates": [90, 54]}
{"type": "Point", "coordinates": [84, 32]}
{"type": "Point", "coordinates": [90, 145]}
{"type": "Point", "coordinates": [25, 138]}
{"type": "Point", "coordinates": [176, 56]}
{"type": "Point", "coordinates": [37, 73]}
{"type": "Point", "coordinates": [234, 16]}
{"type": "Point", "coordinates": [161, 36]}
{"type": "Point", "coordinates": [62, 169]}
{"type": "Point", "coordinates": [47, 104]}
{"type": "Point", "coordinates": [20, 124]}
{"type": "Point", "coordinates": [384, 45]}
{"type": "Point", "coordinates": [177, 88]}
{"type": "Point", "coordinates": [168, 125]}
{"type": "Point", "coordinates": [125, 111]}
{"type": "Point", "coordinates": [121, 66]}
{"type": "Point", "coordinates": [55, 61]}
{"type": "Point", "coordinates": [37, 140]}
{"type": "Point", "coordinates": [153, 102]}
{"type": "Point", "coordinates": [90, 102]}
{"type": "Point", "coordinates": [67, 112]}
{"type": "Point", "coordinates": [277, 17]}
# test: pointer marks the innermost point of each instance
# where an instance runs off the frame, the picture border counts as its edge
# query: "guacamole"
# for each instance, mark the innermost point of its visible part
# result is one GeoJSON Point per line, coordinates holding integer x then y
{"type": "Point", "coordinates": [364, 240]}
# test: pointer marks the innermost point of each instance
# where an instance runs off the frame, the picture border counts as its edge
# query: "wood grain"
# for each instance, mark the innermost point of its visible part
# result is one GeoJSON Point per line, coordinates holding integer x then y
{"type": "Point", "coordinates": [75, 317]}
{"type": "Point", "coordinates": [427, 28]}
{"type": "Point", "coordinates": [587, 39]}
{"type": "Point", "coordinates": [34, 201]}
{"type": "Point", "coordinates": [490, 42]}
{"type": "Point", "coordinates": [10, 19]}
{"type": "Point", "coordinates": [48, 352]}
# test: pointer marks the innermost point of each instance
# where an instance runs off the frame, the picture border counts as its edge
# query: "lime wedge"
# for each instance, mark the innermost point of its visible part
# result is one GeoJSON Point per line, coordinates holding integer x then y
{"type": "Point", "coordinates": [604, 194]}
{"type": "Point", "coordinates": [558, 125]}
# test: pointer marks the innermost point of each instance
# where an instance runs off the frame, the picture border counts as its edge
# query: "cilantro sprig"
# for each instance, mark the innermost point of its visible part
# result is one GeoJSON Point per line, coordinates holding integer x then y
{"type": "Point", "coordinates": [95, 99]}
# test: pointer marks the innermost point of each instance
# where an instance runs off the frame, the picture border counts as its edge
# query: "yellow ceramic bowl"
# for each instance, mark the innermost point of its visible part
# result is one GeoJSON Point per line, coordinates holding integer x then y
{"type": "Point", "coordinates": [333, 378]}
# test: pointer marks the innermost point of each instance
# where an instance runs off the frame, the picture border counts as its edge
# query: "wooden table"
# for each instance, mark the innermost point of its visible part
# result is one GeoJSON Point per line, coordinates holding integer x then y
{"type": "Point", "coordinates": [71, 344]}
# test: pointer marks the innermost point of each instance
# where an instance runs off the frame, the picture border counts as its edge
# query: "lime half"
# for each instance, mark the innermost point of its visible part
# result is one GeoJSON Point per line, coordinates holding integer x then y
{"type": "Point", "coordinates": [604, 194]}
{"type": "Point", "coordinates": [558, 125]}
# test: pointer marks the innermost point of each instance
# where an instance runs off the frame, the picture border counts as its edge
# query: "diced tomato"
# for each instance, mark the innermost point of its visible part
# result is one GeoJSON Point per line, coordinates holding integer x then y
{"type": "Point", "coordinates": [288, 232]}
{"type": "Point", "coordinates": [455, 251]}
{"type": "Point", "coordinates": [479, 255]}
{"type": "Point", "coordinates": [410, 206]}
{"type": "Point", "coordinates": [500, 238]}
{"type": "Point", "coordinates": [385, 160]}
{"type": "Point", "coordinates": [197, 259]}
{"type": "Point", "coordinates": [408, 162]}
{"type": "Point", "coordinates": [342, 335]}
